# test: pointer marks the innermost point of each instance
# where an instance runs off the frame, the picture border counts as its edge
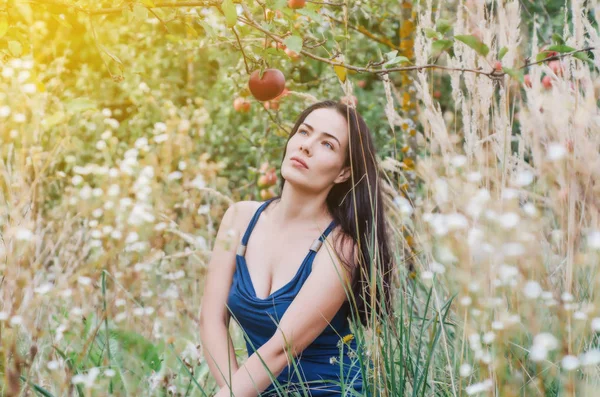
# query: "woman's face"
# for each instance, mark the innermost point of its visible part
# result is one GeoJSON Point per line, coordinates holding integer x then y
{"type": "Point", "coordinates": [321, 141]}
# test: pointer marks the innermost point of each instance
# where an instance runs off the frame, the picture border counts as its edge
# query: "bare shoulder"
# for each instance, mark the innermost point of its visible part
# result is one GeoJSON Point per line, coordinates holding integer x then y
{"type": "Point", "coordinates": [340, 248]}
{"type": "Point", "coordinates": [240, 212]}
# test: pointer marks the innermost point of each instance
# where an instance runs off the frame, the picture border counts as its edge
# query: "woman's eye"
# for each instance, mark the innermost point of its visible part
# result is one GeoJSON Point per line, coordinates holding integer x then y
{"type": "Point", "coordinates": [301, 131]}
{"type": "Point", "coordinates": [330, 145]}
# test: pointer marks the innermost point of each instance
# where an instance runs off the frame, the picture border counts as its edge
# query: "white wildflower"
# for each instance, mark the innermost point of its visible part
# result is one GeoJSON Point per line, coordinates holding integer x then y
{"type": "Point", "coordinates": [465, 370]}
{"type": "Point", "coordinates": [474, 176]}
{"type": "Point", "coordinates": [488, 337]}
{"type": "Point", "coordinates": [23, 234]}
{"type": "Point", "coordinates": [591, 357]}
{"type": "Point", "coordinates": [497, 325]}
{"type": "Point", "coordinates": [83, 280]}
{"type": "Point", "coordinates": [579, 315]}
{"type": "Point", "coordinates": [85, 193]}
{"type": "Point", "coordinates": [509, 220]}
{"type": "Point", "coordinates": [161, 138]}
{"type": "Point", "coordinates": [593, 240]}
{"type": "Point", "coordinates": [4, 111]}
{"type": "Point", "coordinates": [120, 317]}
{"type": "Point", "coordinates": [458, 161]}
{"type": "Point", "coordinates": [43, 289]}
{"type": "Point", "coordinates": [76, 180]}
{"type": "Point", "coordinates": [523, 178]}
{"type": "Point", "coordinates": [596, 324]}
{"type": "Point", "coordinates": [436, 267]}
{"type": "Point", "coordinates": [404, 205]}
{"type": "Point", "coordinates": [87, 379]}
{"type": "Point", "coordinates": [530, 209]}
{"type": "Point", "coordinates": [427, 275]}
{"type": "Point", "coordinates": [52, 365]}
{"type": "Point", "coordinates": [29, 88]}
{"type": "Point", "coordinates": [466, 301]}
{"type": "Point", "coordinates": [479, 387]}
{"type": "Point", "coordinates": [556, 151]}
{"type": "Point", "coordinates": [569, 363]}
{"type": "Point", "coordinates": [543, 343]}
{"type": "Point", "coordinates": [532, 289]}
{"type": "Point", "coordinates": [175, 175]}
{"type": "Point", "coordinates": [198, 182]}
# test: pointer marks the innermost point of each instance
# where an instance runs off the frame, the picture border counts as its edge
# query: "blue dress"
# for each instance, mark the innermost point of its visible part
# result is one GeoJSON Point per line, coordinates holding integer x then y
{"type": "Point", "coordinates": [317, 366]}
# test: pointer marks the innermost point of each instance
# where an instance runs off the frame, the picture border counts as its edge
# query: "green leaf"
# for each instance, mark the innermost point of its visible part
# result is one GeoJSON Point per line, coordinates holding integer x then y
{"type": "Point", "coordinates": [390, 55]}
{"type": "Point", "coordinates": [560, 48]}
{"type": "Point", "coordinates": [3, 25]}
{"type": "Point", "coordinates": [113, 56]}
{"type": "Point", "coordinates": [54, 119]}
{"type": "Point", "coordinates": [474, 43]}
{"type": "Point", "coordinates": [294, 43]}
{"type": "Point", "coordinates": [439, 46]}
{"type": "Point", "coordinates": [513, 73]}
{"type": "Point", "coordinates": [277, 4]}
{"type": "Point", "coordinates": [62, 21]}
{"type": "Point", "coordinates": [443, 26]}
{"type": "Point", "coordinates": [140, 347]}
{"type": "Point", "coordinates": [502, 52]}
{"type": "Point", "coordinates": [230, 13]}
{"type": "Point", "coordinates": [80, 105]}
{"type": "Point", "coordinates": [582, 56]}
{"type": "Point", "coordinates": [542, 55]}
{"type": "Point", "coordinates": [311, 14]}
{"type": "Point", "coordinates": [15, 48]}
{"type": "Point", "coordinates": [398, 59]}
{"type": "Point", "coordinates": [207, 29]}
{"type": "Point", "coordinates": [432, 34]}
{"type": "Point", "coordinates": [140, 12]}
{"type": "Point", "coordinates": [558, 39]}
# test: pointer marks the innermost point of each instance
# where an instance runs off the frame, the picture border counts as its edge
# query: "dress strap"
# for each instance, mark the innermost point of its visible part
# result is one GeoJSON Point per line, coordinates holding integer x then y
{"type": "Point", "coordinates": [242, 247]}
{"type": "Point", "coordinates": [319, 242]}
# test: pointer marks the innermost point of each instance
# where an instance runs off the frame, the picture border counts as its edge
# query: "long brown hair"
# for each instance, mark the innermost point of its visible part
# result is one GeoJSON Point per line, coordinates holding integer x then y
{"type": "Point", "coordinates": [359, 211]}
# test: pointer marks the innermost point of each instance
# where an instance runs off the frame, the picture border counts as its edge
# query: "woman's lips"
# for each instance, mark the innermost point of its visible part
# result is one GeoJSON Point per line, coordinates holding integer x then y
{"type": "Point", "coordinates": [298, 164]}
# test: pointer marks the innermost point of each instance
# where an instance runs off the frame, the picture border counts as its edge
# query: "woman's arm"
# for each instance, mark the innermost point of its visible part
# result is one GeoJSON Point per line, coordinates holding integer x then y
{"type": "Point", "coordinates": [323, 293]}
{"type": "Point", "coordinates": [214, 315]}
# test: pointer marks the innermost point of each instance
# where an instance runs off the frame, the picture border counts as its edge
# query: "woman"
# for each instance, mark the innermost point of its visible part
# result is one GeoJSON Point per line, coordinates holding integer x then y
{"type": "Point", "coordinates": [303, 262]}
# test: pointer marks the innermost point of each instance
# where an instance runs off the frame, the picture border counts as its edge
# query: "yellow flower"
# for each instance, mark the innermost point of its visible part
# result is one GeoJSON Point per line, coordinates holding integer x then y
{"type": "Point", "coordinates": [347, 338]}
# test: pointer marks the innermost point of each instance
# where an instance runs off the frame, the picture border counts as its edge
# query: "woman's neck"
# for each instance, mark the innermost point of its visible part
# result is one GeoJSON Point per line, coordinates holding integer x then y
{"type": "Point", "coordinates": [299, 208]}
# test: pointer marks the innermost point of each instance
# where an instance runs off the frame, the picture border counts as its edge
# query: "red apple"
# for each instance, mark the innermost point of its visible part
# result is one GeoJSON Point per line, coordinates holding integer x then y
{"type": "Point", "coordinates": [527, 80]}
{"type": "Point", "coordinates": [263, 181]}
{"type": "Point", "coordinates": [556, 67]}
{"type": "Point", "coordinates": [278, 45]}
{"type": "Point", "coordinates": [498, 66]}
{"type": "Point", "coordinates": [241, 105]}
{"type": "Point", "coordinates": [264, 167]}
{"type": "Point", "coordinates": [547, 82]}
{"type": "Point", "coordinates": [437, 94]}
{"type": "Point", "coordinates": [270, 86]}
{"type": "Point", "coordinates": [283, 94]}
{"type": "Point", "coordinates": [349, 100]}
{"type": "Point", "coordinates": [292, 54]}
{"type": "Point", "coordinates": [266, 194]}
{"type": "Point", "coordinates": [296, 4]}
{"type": "Point", "coordinates": [273, 104]}
{"type": "Point", "coordinates": [361, 83]}
{"type": "Point", "coordinates": [272, 177]}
